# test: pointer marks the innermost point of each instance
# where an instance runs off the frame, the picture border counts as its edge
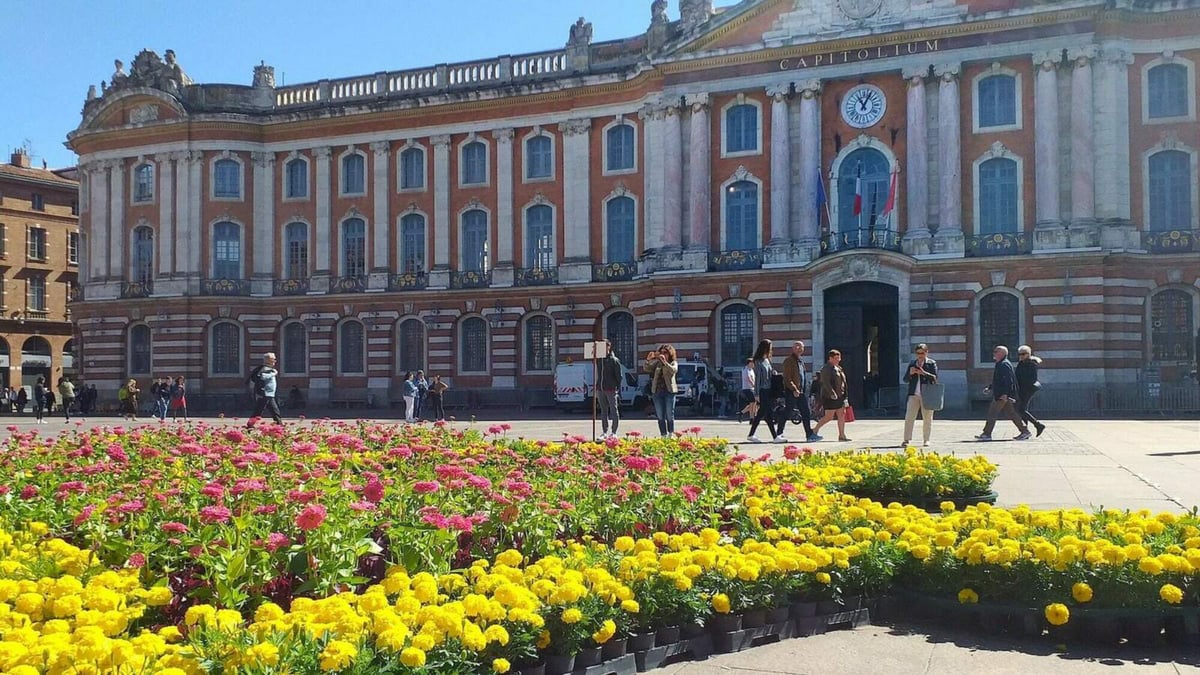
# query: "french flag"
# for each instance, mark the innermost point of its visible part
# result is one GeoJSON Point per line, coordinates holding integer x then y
{"type": "Point", "coordinates": [858, 201]}
{"type": "Point", "coordinates": [891, 198]}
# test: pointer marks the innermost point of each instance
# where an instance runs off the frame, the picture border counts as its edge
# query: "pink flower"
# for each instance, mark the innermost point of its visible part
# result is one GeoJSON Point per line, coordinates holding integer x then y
{"type": "Point", "coordinates": [215, 514]}
{"type": "Point", "coordinates": [84, 514]}
{"type": "Point", "coordinates": [362, 506]}
{"type": "Point", "coordinates": [29, 492]}
{"type": "Point", "coordinates": [276, 541]}
{"type": "Point", "coordinates": [264, 509]}
{"type": "Point", "coordinates": [426, 486]}
{"type": "Point", "coordinates": [791, 452]}
{"type": "Point", "coordinates": [174, 528]}
{"type": "Point", "coordinates": [137, 560]}
{"type": "Point", "coordinates": [690, 492]}
{"type": "Point", "coordinates": [373, 490]}
{"type": "Point", "coordinates": [311, 517]}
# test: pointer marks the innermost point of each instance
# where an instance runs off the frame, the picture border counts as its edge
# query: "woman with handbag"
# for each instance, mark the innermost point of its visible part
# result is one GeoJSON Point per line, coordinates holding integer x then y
{"type": "Point", "coordinates": [1028, 385]}
{"type": "Point", "coordinates": [924, 394]}
{"type": "Point", "coordinates": [833, 394]}
{"type": "Point", "coordinates": [765, 395]}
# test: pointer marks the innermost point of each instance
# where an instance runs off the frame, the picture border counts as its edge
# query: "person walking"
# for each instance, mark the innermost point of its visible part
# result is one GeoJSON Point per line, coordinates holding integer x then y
{"type": "Point", "coordinates": [179, 398]}
{"type": "Point", "coordinates": [263, 380]}
{"type": "Point", "coordinates": [662, 367]}
{"type": "Point", "coordinates": [795, 386]}
{"type": "Point", "coordinates": [436, 390]}
{"type": "Point", "coordinates": [1028, 385]}
{"type": "Point", "coordinates": [66, 393]}
{"type": "Point", "coordinates": [127, 396]}
{"type": "Point", "coordinates": [608, 385]}
{"type": "Point", "coordinates": [833, 394]}
{"type": "Point", "coordinates": [922, 372]}
{"type": "Point", "coordinates": [409, 391]}
{"type": "Point", "coordinates": [764, 395]}
{"type": "Point", "coordinates": [39, 399]}
{"type": "Point", "coordinates": [746, 397]}
{"type": "Point", "coordinates": [14, 398]}
{"type": "Point", "coordinates": [422, 392]}
{"type": "Point", "coordinates": [92, 396]}
{"type": "Point", "coordinates": [1004, 397]}
{"type": "Point", "coordinates": [162, 398]}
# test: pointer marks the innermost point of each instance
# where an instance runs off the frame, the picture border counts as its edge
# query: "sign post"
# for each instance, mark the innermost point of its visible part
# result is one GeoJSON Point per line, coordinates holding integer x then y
{"type": "Point", "coordinates": [594, 351]}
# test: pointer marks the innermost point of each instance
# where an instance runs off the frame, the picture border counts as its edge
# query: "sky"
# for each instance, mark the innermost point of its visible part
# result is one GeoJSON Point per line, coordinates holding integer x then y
{"type": "Point", "coordinates": [54, 49]}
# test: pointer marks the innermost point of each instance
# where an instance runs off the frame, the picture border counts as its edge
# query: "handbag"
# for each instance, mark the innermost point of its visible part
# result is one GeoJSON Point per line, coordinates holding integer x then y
{"type": "Point", "coordinates": [848, 416]}
{"type": "Point", "coordinates": [933, 396]}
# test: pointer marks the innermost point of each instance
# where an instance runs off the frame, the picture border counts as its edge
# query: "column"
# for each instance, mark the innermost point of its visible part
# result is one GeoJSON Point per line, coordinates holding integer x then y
{"type": "Point", "coordinates": [183, 226]}
{"type": "Point", "coordinates": [195, 202]}
{"type": "Point", "coordinates": [440, 272]}
{"type": "Point", "coordinates": [917, 156]}
{"type": "Point", "coordinates": [116, 229]}
{"type": "Point", "coordinates": [98, 232]}
{"type": "Point", "coordinates": [381, 190]}
{"type": "Point", "coordinates": [654, 173]}
{"type": "Point", "coordinates": [809, 227]}
{"type": "Point", "coordinates": [949, 238]}
{"type": "Point", "coordinates": [1045, 137]}
{"type": "Point", "coordinates": [164, 166]}
{"type": "Point", "coordinates": [263, 266]}
{"type": "Point", "coordinates": [700, 166]}
{"type": "Point", "coordinates": [672, 133]}
{"type": "Point", "coordinates": [321, 250]}
{"type": "Point", "coordinates": [1083, 192]}
{"type": "Point", "coordinates": [502, 275]}
{"type": "Point", "coordinates": [577, 222]}
{"type": "Point", "coordinates": [1112, 186]}
{"type": "Point", "coordinates": [781, 165]}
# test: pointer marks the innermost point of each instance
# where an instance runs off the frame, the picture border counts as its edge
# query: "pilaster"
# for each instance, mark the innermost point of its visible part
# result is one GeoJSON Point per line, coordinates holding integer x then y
{"type": "Point", "coordinates": [322, 250]}
{"type": "Point", "coordinates": [264, 223]}
{"type": "Point", "coordinates": [700, 176]}
{"type": "Point", "coordinates": [100, 225]}
{"type": "Point", "coordinates": [195, 229]}
{"type": "Point", "coordinates": [949, 235]}
{"type": "Point", "coordinates": [503, 273]}
{"type": "Point", "coordinates": [439, 274]}
{"type": "Point", "coordinates": [381, 222]}
{"type": "Point", "coordinates": [165, 168]}
{"type": "Point", "coordinates": [672, 129]}
{"type": "Point", "coordinates": [576, 266]}
{"type": "Point", "coordinates": [116, 240]}
{"type": "Point", "coordinates": [1083, 158]}
{"type": "Point", "coordinates": [918, 239]}
{"type": "Point", "coordinates": [1112, 175]}
{"type": "Point", "coordinates": [808, 231]}
{"type": "Point", "coordinates": [1045, 135]}
{"type": "Point", "coordinates": [781, 165]}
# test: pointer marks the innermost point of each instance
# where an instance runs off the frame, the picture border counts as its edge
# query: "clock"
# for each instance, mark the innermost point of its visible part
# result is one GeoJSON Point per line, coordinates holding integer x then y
{"type": "Point", "coordinates": [864, 106]}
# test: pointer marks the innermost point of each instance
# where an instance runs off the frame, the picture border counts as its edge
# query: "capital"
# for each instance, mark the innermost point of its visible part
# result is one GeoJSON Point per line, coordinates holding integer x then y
{"type": "Point", "coordinates": [263, 159]}
{"type": "Point", "coordinates": [323, 152]}
{"type": "Point", "coordinates": [440, 141]}
{"type": "Point", "coordinates": [1047, 60]}
{"type": "Point", "coordinates": [779, 92]}
{"type": "Point", "coordinates": [503, 135]}
{"type": "Point", "coordinates": [809, 88]}
{"type": "Point", "coordinates": [575, 127]}
{"type": "Point", "coordinates": [164, 157]}
{"type": "Point", "coordinates": [381, 147]}
{"type": "Point", "coordinates": [117, 164]}
{"type": "Point", "coordinates": [915, 75]}
{"type": "Point", "coordinates": [1116, 55]}
{"type": "Point", "coordinates": [697, 101]}
{"type": "Point", "coordinates": [1082, 56]}
{"type": "Point", "coordinates": [946, 72]}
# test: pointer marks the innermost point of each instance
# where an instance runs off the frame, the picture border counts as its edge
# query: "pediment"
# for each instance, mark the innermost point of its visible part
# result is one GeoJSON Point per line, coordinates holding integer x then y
{"type": "Point", "coordinates": [809, 19]}
{"type": "Point", "coordinates": [132, 107]}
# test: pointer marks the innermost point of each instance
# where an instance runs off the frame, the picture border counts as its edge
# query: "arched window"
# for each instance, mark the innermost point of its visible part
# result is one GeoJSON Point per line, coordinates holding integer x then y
{"type": "Point", "coordinates": [741, 128]}
{"type": "Point", "coordinates": [412, 243]}
{"type": "Point", "coordinates": [225, 350]}
{"type": "Point", "coordinates": [539, 344]}
{"type": "Point", "coordinates": [621, 141]}
{"type": "Point", "coordinates": [143, 255]}
{"type": "Point", "coordinates": [1172, 326]}
{"type": "Point", "coordinates": [863, 173]}
{"type": "Point", "coordinates": [410, 355]}
{"type": "Point", "coordinates": [354, 247]}
{"type": "Point", "coordinates": [143, 183]}
{"type": "Point", "coordinates": [997, 101]}
{"type": "Point", "coordinates": [294, 360]}
{"type": "Point", "coordinates": [351, 348]}
{"type": "Point", "coordinates": [474, 163]}
{"type": "Point", "coordinates": [140, 350]}
{"type": "Point", "coordinates": [412, 169]}
{"type": "Point", "coordinates": [998, 203]}
{"type": "Point", "coordinates": [68, 357]}
{"type": "Point", "coordinates": [621, 330]}
{"type": "Point", "coordinates": [999, 324]}
{"type": "Point", "coordinates": [297, 251]}
{"type": "Point", "coordinates": [475, 241]}
{"type": "Point", "coordinates": [227, 179]}
{"type": "Point", "coordinates": [354, 174]}
{"type": "Point", "coordinates": [539, 237]}
{"type": "Point", "coordinates": [297, 179]}
{"type": "Point", "coordinates": [1167, 86]}
{"type": "Point", "coordinates": [737, 334]}
{"type": "Point", "coordinates": [539, 157]}
{"type": "Point", "coordinates": [473, 345]}
{"type": "Point", "coordinates": [227, 251]}
{"type": "Point", "coordinates": [621, 230]}
{"type": "Point", "coordinates": [741, 216]}
{"type": "Point", "coordinates": [1170, 196]}
{"type": "Point", "coordinates": [35, 361]}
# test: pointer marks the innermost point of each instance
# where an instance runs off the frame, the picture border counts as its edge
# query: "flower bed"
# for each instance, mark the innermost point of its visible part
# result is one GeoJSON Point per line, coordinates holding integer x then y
{"type": "Point", "coordinates": [912, 477]}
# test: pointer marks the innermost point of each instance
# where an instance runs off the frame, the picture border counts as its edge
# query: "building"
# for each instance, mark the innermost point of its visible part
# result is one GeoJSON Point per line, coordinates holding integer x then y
{"type": "Point", "coordinates": [39, 265]}
{"type": "Point", "coordinates": [861, 174]}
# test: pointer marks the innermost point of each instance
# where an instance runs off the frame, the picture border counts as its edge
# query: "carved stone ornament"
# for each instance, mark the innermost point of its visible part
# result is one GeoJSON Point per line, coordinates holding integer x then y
{"type": "Point", "coordinates": [575, 127]}
{"type": "Point", "coordinates": [735, 290]}
{"type": "Point", "coordinates": [473, 204]}
{"type": "Point", "coordinates": [149, 70]}
{"type": "Point", "coordinates": [615, 299]}
{"type": "Point", "coordinates": [619, 191]}
{"type": "Point", "coordinates": [535, 304]}
{"type": "Point", "coordinates": [742, 173]}
{"type": "Point", "coordinates": [1174, 276]}
{"type": "Point", "coordinates": [862, 267]}
{"type": "Point", "coordinates": [539, 199]}
{"type": "Point", "coordinates": [858, 10]}
{"type": "Point", "coordinates": [380, 147]}
{"type": "Point", "coordinates": [503, 135]}
{"type": "Point", "coordinates": [470, 306]}
{"type": "Point", "coordinates": [998, 278]}
{"type": "Point", "coordinates": [223, 312]}
{"type": "Point", "coordinates": [141, 114]}
{"type": "Point", "coordinates": [580, 33]}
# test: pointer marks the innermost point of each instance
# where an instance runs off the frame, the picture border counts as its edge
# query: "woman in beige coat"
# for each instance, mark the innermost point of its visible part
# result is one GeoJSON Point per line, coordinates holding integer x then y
{"type": "Point", "coordinates": [662, 367]}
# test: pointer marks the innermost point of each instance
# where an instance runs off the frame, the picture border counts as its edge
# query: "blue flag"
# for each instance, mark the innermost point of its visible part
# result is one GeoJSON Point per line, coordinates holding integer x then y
{"type": "Point", "coordinates": [821, 197]}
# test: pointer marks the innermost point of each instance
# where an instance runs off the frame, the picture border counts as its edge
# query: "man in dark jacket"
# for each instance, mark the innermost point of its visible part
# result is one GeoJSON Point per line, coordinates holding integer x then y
{"type": "Point", "coordinates": [1004, 396]}
{"type": "Point", "coordinates": [608, 386]}
{"type": "Point", "coordinates": [795, 385]}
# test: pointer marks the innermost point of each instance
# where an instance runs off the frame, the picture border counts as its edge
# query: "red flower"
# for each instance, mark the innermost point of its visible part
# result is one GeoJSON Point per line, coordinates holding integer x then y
{"type": "Point", "coordinates": [311, 517]}
{"type": "Point", "coordinates": [276, 541]}
{"type": "Point", "coordinates": [174, 528]}
{"type": "Point", "coordinates": [215, 514]}
{"type": "Point", "coordinates": [373, 491]}
{"type": "Point", "coordinates": [137, 560]}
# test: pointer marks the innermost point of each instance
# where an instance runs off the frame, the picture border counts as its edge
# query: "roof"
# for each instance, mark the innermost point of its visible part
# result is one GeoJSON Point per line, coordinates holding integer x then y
{"type": "Point", "coordinates": [37, 175]}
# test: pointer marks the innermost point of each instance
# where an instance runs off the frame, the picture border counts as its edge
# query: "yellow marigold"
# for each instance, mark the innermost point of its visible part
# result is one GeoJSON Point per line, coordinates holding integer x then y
{"type": "Point", "coordinates": [921, 552]}
{"type": "Point", "coordinates": [497, 634]}
{"type": "Point", "coordinates": [606, 632]}
{"type": "Point", "coordinates": [720, 603]}
{"type": "Point", "coordinates": [265, 654]}
{"type": "Point", "coordinates": [824, 578]}
{"type": "Point", "coordinates": [199, 614]}
{"type": "Point", "coordinates": [1150, 565]}
{"type": "Point", "coordinates": [572, 615]}
{"type": "Point", "coordinates": [412, 657]}
{"type": "Point", "coordinates": [630, 606]}
{"type": "Point", "coordinates": [501, 666]}
{"type": "Point", "coordinates": [1081, 592]}
{"type": "Point", "coordinates": [968, 597]}
{"type": "Point", "coordinates": [158, 596]}
{"type": "Point", "coordinates": [1171, 593]}
{"type": "Point", "coordinates": [624, 544]}
{"type": "Point", "coordinates": [1057, 614]}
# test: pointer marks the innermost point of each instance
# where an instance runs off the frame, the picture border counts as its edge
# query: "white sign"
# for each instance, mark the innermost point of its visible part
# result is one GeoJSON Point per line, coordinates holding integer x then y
{"type": "Point", "coordinates": [595, 350]}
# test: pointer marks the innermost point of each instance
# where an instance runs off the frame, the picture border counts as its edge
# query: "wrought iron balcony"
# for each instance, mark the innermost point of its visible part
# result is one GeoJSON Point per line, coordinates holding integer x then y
{"type": "Point", "coordinates": [1171, 241]}
{"type": "Point", "coordinates": [1009, 243]}
{"type": "Point", "coordinates": [407, 281]}
{"type": "Point", "coordinates": [233, 287]}
{"type": "Point", "coordinates": [290, 287]}
{"type": "Point", "coordinates": [470, 279]}
{"type": "Point", "coordinates": [137, 289]}
{"type": "Point", "coordinates": [867, 237]}
{"type": "Point", "coordinates": [614, 271]}
{"type": "Point", "coordinates": [729, 261]}
{"type": "Point", "coordinates": [536, 276]}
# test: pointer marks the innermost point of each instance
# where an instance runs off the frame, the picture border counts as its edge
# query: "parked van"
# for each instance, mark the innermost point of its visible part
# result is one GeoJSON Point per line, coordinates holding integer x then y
{"type": "Point", "coordinates": [574, 385]}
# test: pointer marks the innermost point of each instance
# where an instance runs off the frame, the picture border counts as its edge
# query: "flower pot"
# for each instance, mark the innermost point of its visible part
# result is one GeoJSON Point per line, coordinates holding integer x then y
{"type": "Point", "coordinates": [691, 630]}
{"type": "Point", "coordinates": [1180, 633]}
{"type": "Point", "coordinates": [846, 604]}
{"type": "Point", "coordinates": [778, 614]}
{"type": "Point", "coordinates": [803, 609]}
{"type": "Point", "coordinates": [641, 642]}
{"type": "Point", "coordinates": [994, 622]}
{"type": "Point", "coordinates": [535, 669]}
{"type": "Point", "coordinates": [559, 664]}
{"type": "Point", "coordinates": [1143, 631]}
{"type": "Point", "coordinates": [667, 635]}
{"type": "Point", "coordinates": [753, 618]}
{"type": "Point", "coordinates": [725, 623]}
{"type": "Point", "coordinates": [587, 656]}
{"type": "Point", "coordinates": [1100, 630]}
{"type": "Point", "coordinates": [613, 649]}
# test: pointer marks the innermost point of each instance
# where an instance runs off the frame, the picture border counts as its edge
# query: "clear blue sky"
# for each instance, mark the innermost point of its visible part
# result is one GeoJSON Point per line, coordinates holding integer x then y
{"type": "Point", "coordinates": [55, 48]}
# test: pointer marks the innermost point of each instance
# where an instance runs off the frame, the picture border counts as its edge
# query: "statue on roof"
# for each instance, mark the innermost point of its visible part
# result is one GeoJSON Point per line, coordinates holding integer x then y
{"type": "Point", "coordinates": [118, 77]}
{"type": "Point", "coordinates": [149, 70]}
{"type": "Point", "coordinates": [581, 33]}
{"type": "Point", "coordinates": [658, 12]}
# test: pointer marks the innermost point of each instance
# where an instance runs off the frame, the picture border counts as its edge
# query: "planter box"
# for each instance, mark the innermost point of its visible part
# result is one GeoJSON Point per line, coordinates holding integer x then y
{"type": "Point", "coordinates": [626, 665]}
{"type": "Point", "coordinates": [824, 623]}
{"type": "Point", "coordinates": [695, 649]}
{"type": "Point", "coordinates": [736, 641]}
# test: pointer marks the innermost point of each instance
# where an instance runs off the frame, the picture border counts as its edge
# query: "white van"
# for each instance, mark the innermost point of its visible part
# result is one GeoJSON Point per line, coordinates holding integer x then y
{"type": "Point", "coordinates": [691, 372]}
{"type": "Point", "coordinates": [574, 385]}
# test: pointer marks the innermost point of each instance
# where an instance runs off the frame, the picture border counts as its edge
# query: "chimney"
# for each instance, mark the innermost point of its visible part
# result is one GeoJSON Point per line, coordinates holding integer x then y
{"type": "Point", "coordinates": [20, 158]}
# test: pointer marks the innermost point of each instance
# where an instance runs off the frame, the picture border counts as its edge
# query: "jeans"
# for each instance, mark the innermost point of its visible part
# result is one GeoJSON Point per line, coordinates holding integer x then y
{"type": "Point", "coordinates": [799, 403]}
{"type": "Point", "coordinates": [664, 409]}
{"type": "Point", "coordinates": [439, 410]}
{"type": "Point", "coordinates": [160, 408]}
{"type": "Point", "coordinates": [1023, 409]}
{"type": "Point", "coordinates": [266, 404]}
{"type": "Point", "coordinates": [766, 413]}
{"type": "Point", "coordinates": [609, 410]}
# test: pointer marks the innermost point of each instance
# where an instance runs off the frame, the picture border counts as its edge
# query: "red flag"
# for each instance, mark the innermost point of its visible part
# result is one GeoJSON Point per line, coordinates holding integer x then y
{"type": "Point", "coordinates": [891, 198]}
{"type": "Point", "coordinates": [858, 194]}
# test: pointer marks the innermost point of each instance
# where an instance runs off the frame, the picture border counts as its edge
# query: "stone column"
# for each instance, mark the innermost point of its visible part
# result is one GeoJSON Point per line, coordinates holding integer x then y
{"type": "Point", "coordinates": [949, 236]}
{"type": "Point", "coordinates": [808, 230]}
{"type": "Point", "coordinates": [577, 223]}
{"type": "Point", "coordinates": [183, 199]}
{"type": "Point", "coordinates": [381, 190]}
{"type": "Point", "coordinates": [263, 257]}
{"type": "Point", "coordinates": [195, 228]}
{"type": "Point", "coordinates": [917, 238]}
{"type": "Point", "coordinates": [439, 274]}
{"type": "Point", "coordinates": [1045, 138]}
{"type": "Point", "coordinates": [502, 274]}
{"type": "Point", "coordinates": [653, 164]}
{"type": "Point", "coordinates": [116, 230]}
{"type": "Point", "coordinates": [100, 225]}
{"type": "Point", "coordinates": [700, 178]}
{"type": "Point", "coordinates": [672, 131]}
{"type": "Point", "coordinates": [166, 214]}
{"type": "Point", "coordinates": [781, 165]}
{"type": "Point", "coordinates": [1083, 189]}
{"type": "Point", "coordinates": [1112, 184]}
{"type": "Point", "coordinates": [322, 249]}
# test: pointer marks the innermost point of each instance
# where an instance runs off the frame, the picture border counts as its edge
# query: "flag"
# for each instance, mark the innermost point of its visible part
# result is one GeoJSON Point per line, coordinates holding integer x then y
{"type": "Point", "coordinates": [858, 193]}
{"type": "Point", "coordinates": [821, 196]}
{"type": "Point", "coordinates": [891, 198]}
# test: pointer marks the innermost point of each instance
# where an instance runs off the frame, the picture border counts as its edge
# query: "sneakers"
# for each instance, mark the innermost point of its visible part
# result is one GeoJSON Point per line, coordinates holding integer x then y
{"type": "Point", "coordinates": [925, 444]}
{"type": "Point", "coordinates": [843, 439]}
{"type": "Point", "coordinates": [814, 438]}
{"type": "Point", "coordinates": [779, 439]}
{"type": "Point", "coordinates": [1040, 429]}
{"type": "Point", "coordinates": [1023, 436]}
{"type": "Point", "coordinates": [753, 439]}
{"type": "Point", "coordinates": [983, 437]}
{"type": "Point", "coordinates": [905, 444]}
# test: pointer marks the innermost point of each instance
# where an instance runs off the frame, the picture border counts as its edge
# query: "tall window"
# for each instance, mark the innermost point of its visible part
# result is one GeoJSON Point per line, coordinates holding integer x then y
{"type": "Point", "coordinates": [998, 203]}
{"type": "Point", "coordinates": [354, 248]}
{"type": "Point", "coordinates": [473, 345]}
{"type": "Point", "coordinates": [227, 251]}
{"type": "Point", "coordinates": [411, 349]}
{"type": "Point", "coordinates": [1170, 191]}
{"type": "Point", "coordinates": [539, 157]}
{"type": "Point", "coordinates": [741, 128]}
{"type": "Point", "coordinates": [143, 183]}
{"type": "Point", "coordinates": [412, 243]}
{"type": "Point", "coordinates": [37, 243]}
{"type": "Point", "coordinates": [1172, 326]}
{"type": "Point", "coordinates": [741, 216]}
{"type": "Point", "coordinates": [474, 163]}
{"type": "Point", "coordinates": [354, 174]}
{"type": "Point", "coordinates": [296, 171]}
{"type": "Point", "coordinates": [226, 349]}
{"type": "Point", "coordinates": [73, 248]}
{"type": "Point", "coordinates": [863, 172]}
{"type": "Point", "coordinates": [999, 324]}
{"type": "Point", "coordinates": [295, 349]}
{"type": "Point", "coordinates": [539, 237]}
{"type": "Point", "coordinates": [227, 179]}
{"type": "Point", "coordinates": [296, 236]}
{"type": "Point", "coordinates": [1167, 86]}
{"type": "Point", "coordinates": [143, 255]}
{"type": "Point", "coordinates": [539, 344]}
{"type": "Point", "coordinates": [351, 349]}
{"type": "Point", "coordinates": [621, 147]}
{"type": "Point", "coordinates": [412, 169]}
{"type": "Point", "coordinates": [621, 232]}
{"type": "Point", "coordinates": [475, 241]}
{"type": "Point", "coordinates": [621, 330]}
{"type": "Point", "coordinates": [37, 293]}
{"type": "Point", "coordinates": [37, 202]}
{"type": "Point", "coordinates": [997, 101]}
{"type": "Point", "coordinates": [737, 334]}
{"type": "Point", "coordinates": [140, 354]}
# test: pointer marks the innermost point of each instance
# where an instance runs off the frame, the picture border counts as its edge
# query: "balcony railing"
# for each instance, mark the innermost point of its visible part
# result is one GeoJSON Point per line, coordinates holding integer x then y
{"type": "Point", "coordinates": [407, 281]}
{"type": "Point", "coordinates": [1012, 243]}
{"type": "Point", "coordinates": [233, 287]}
{"type": "Point", "coordinates": [536, 276]}
{"type": "Point", "coordinates": [1171, 241]}
{"type": "Point", "coordinates": [290, 287]}
{"type": "Point", "coordinates": [729, 261]}
{"type": "Point", "coordinates": [470, 279]}
{"type": "Point", "coordinates": [137, 289]}
{"type": "Point", "coordinates": [348, 285]}
{"type": "Point", "coordinates": [614, 271]}
{"type": "Point", "coordinates": [867, 237]}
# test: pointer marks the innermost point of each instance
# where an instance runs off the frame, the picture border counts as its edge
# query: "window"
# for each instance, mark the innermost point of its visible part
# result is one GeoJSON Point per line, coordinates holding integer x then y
{"type": "Point", "coordinates": [226, 349]}
{"type": "Point", "coordinates": [37, 202]}
{"type": "Point", "coordinates": [620, 230]}
{"type": "Point", "coordinates": [143, 255]}
{"type": "Point", "coordinates": [1172, 326]}
{"type": "Point", "coordinates": [997, 101]}
{"type": "Point", "coordinates": [1170, 199]}
{"type": "Point", "coordinates": [37, 244]}
{"type": "Point", "coordinates": [475, 241]}
{"type": "Point", "coordinates": [737, 334]}
{"type": "Point", "coordinates": [412, 243]}
{"type": "Point", "coordinates": [143, 183]}
{"type": "Point", "coordinates": [741, 128]}
{"type": "Point", "coordinates": [999, 324]}
{"type": "Point", "coordinates": [354, 174]}
{"type": "Point", "coordinates": [474, 163]}
{"type": "Point", "coordinates": [998, 203]}
{"type": "Point", "coordinates": [411, 350]}
{"type": "Point", "coordinates": [295, 349]}
{"type": "Point", "coordinates": [621, 330]}
{"type": "Point", "coordinates": [539, 344]}
{"type": "Point", "coordinates": [140, 350]}
{"type": "Point", "coordinates": [74, 207]}
{"type": "Point", "coordinates": [539, 157]}
{"type": "Point", "coordinates": [412, 169]}
{"type": "Point", "coordinates": [296, 253]}
{"type": "Point", "coordinates": [351, 348]}
{"type": "Point", "coordinates": [296, 177]}
{"type": "Point", "coordinates": [1168, 91]}
{"type": "Point", "coordinates": [227, 251]}
{"type": "Point", "coordinates": [473, 345]}
{"type": "Point", "coordinates": [621, 147]}
{"type": "Point", "coordinates": [37, 293]}
{"type": "Point", "coordinates": [3, 240]}
{"type": "Point", "coordinates": [73, 248]}
{"type": "Point", "coordinates": [539, 237]}
{"type": "Point", "coordinates": [741, 216]}
{"type": "Point", "coordinates": [864, 172]}
{"type": "Point", "coordinates": [354, 248]}
{"type": "Point", "coordinates": [227, 179]}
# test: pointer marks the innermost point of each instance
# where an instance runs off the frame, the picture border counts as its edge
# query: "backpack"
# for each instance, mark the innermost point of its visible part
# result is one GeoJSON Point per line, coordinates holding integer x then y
{"type": "Point", "coordinates": [256, 380]}
{"type": "Point", "coordinates": [776, 384]}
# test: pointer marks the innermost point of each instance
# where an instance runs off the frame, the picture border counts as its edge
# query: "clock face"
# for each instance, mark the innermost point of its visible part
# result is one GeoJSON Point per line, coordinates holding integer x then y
{"type": "Point", "coordinates": [864, 106]}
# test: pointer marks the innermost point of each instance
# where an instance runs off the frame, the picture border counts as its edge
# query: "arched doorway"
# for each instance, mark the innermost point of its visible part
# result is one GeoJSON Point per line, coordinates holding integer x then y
{"type": "Point", "coordinates": [862, 322]}
{"type": "Point", "coordinates": [35, 360]}
{"type": "Point", "coordinates": [68, 360]}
